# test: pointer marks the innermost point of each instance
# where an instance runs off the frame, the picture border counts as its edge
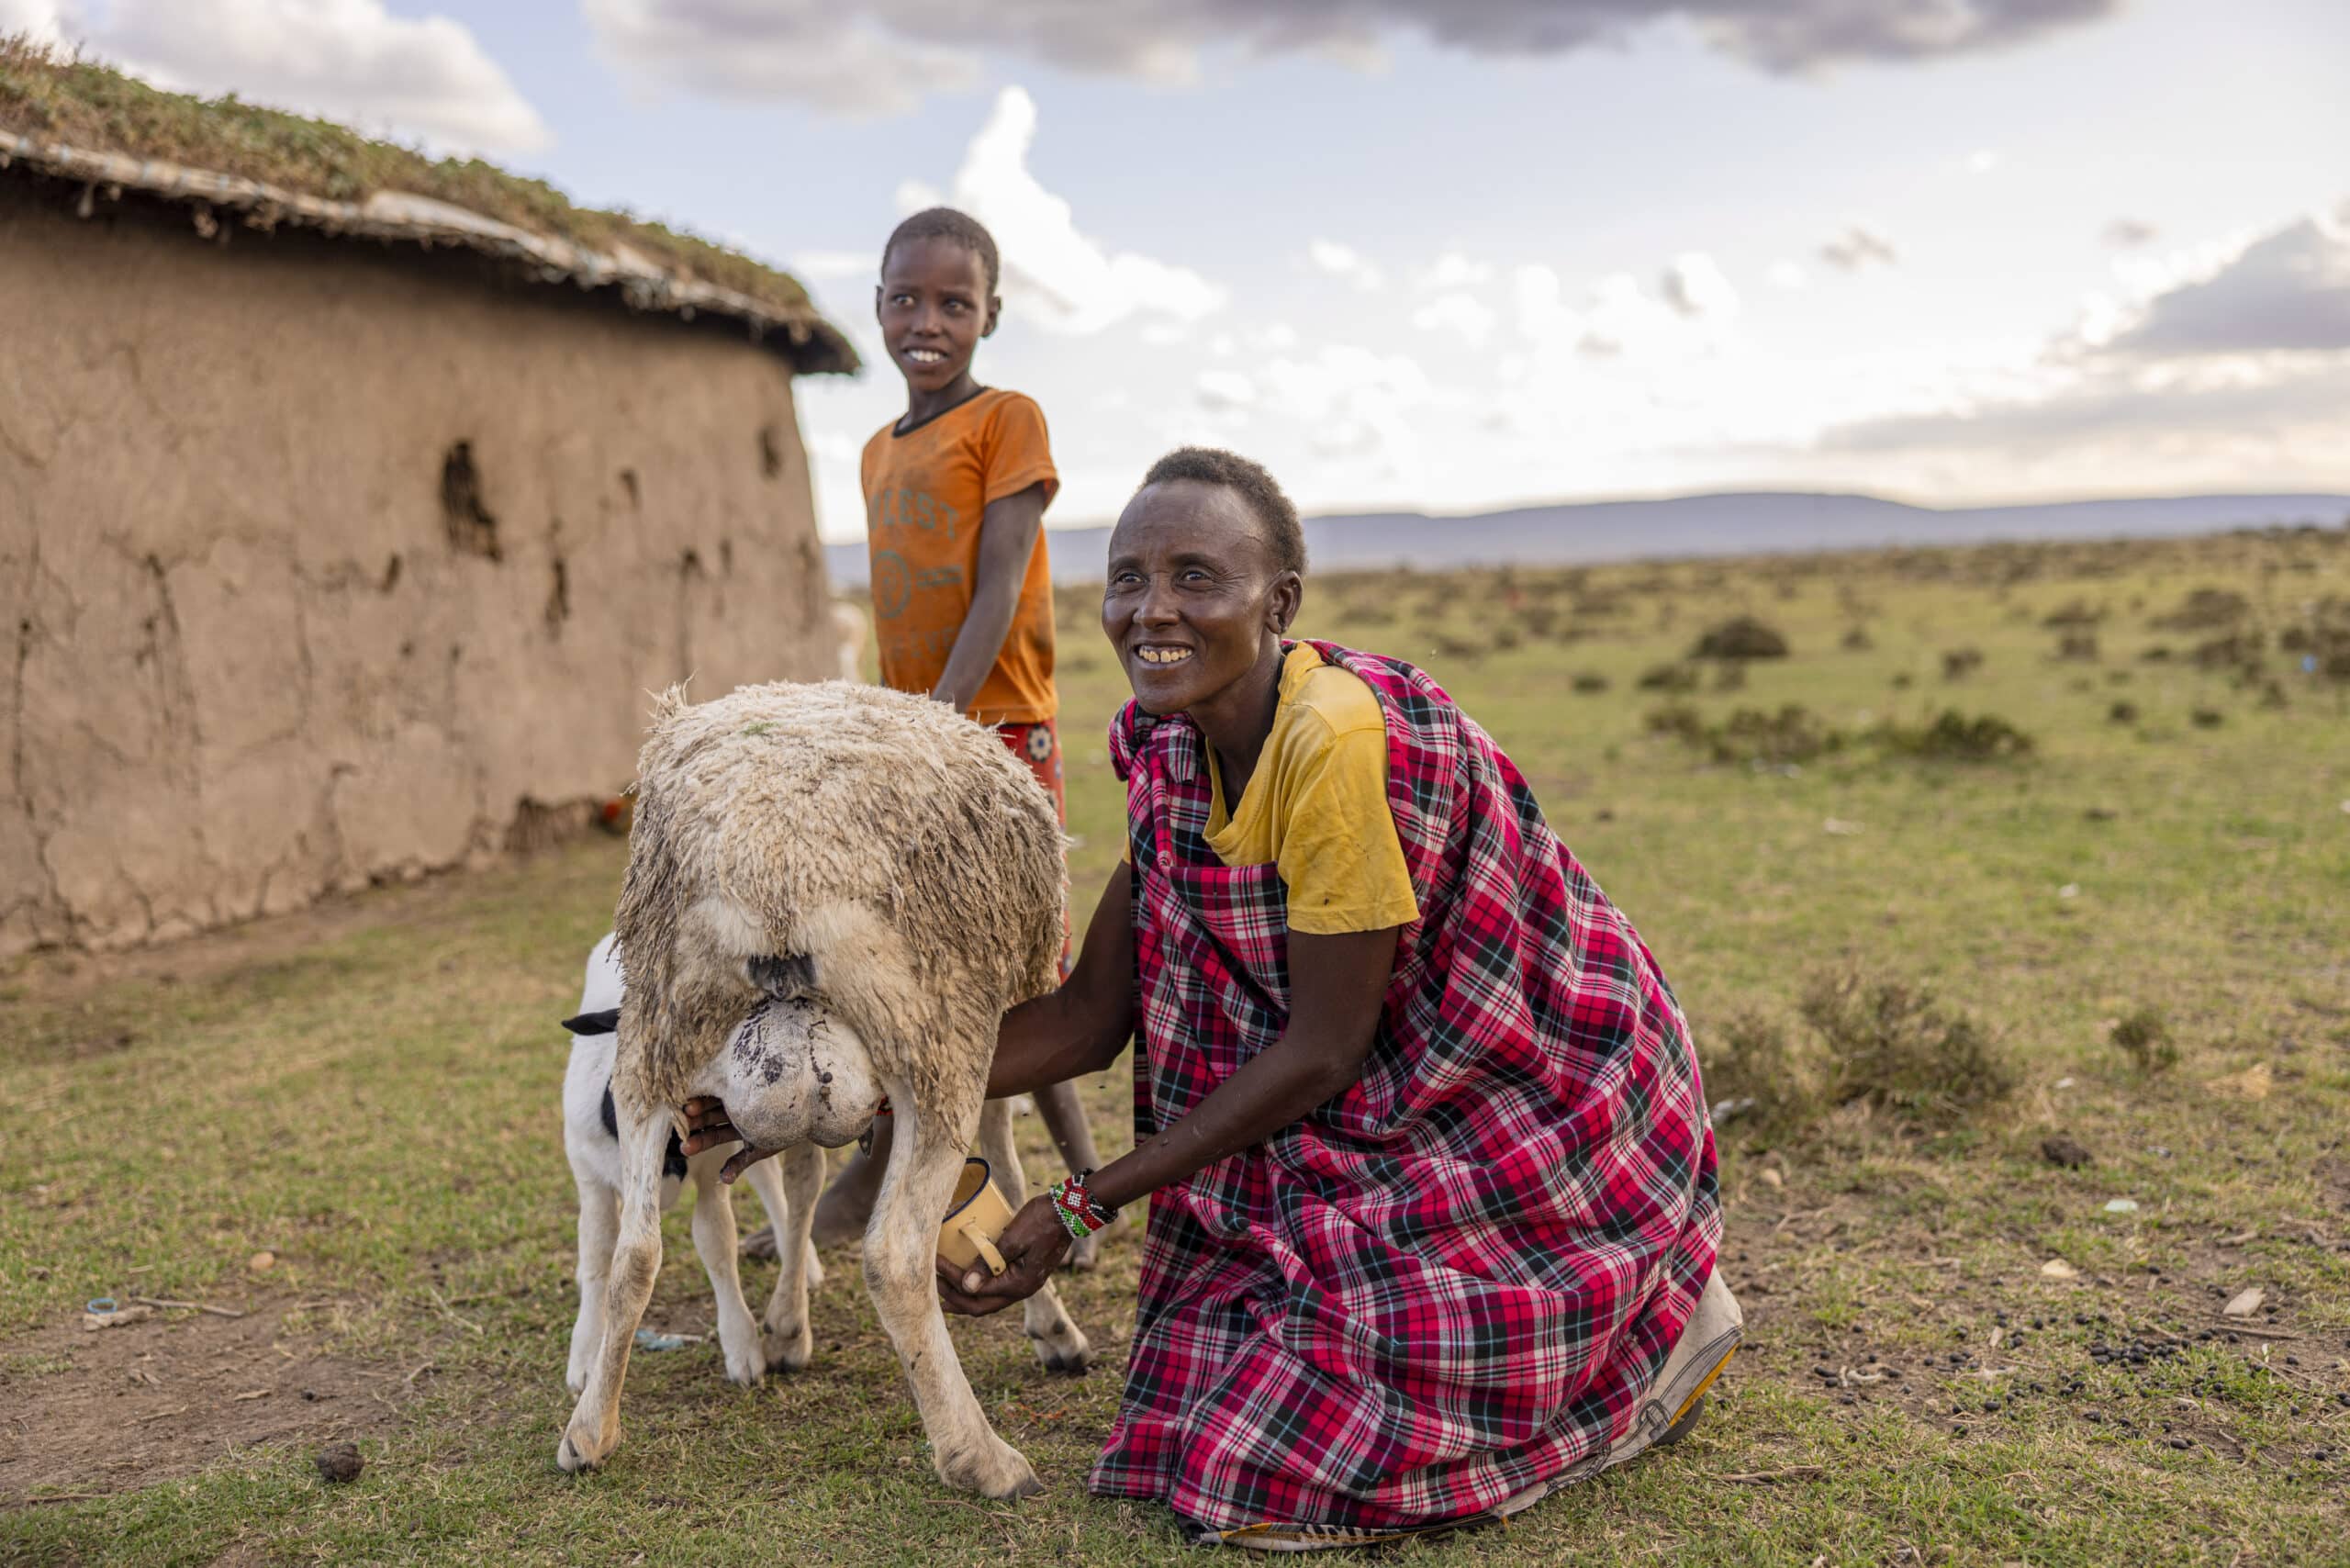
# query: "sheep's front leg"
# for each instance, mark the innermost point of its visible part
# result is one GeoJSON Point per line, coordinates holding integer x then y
{"type": "Point", "coordinates": [599, 1223]}
{"type": "Point", "coordinates": [1060, 1345]}
{"type": "Point", "coordinates": [594, 1428]}
{"type": "Point", "coordinates": [901, 1255]}
{"type": "Point", "coordinates": [715, 1239]}
{"type": "Point", "coordinates": [790, 1196]}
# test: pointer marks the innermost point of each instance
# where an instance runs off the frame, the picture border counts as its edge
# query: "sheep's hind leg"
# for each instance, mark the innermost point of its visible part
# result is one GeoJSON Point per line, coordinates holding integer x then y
{"type": "Point", "coordinates": [595, 1427]}
{"type": "Point", "coordinates": [1061, 1346]}
{"type": "Point", "coordinates": [738, 1335]}
{"type": "Point", "coordinates": [901, 1252]}
{"type": "Point", "coordinates": [789, 1195]}
{"type": "Point", "coordinates": [599, 1224]}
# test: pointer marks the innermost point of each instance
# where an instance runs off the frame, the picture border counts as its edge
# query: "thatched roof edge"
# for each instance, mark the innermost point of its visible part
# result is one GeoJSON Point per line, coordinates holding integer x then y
{"type": "Point", "coordinates": [802, 336]}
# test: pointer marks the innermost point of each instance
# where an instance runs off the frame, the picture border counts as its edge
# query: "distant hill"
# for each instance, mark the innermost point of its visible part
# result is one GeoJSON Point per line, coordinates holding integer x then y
{"type": "Point", "coordinates": [1763, 522]}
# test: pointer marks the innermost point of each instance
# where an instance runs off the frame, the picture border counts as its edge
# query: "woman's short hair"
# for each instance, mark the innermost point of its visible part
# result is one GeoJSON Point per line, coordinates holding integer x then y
{"type": "Point", "coordinates": [1259, 488]}
{"type": "Point", "coordinates": [945, 223]}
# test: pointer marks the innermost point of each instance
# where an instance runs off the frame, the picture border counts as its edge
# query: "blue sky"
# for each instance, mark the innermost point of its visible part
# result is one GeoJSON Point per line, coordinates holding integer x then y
{"type": "Point", "coordinates": [2080, 247]}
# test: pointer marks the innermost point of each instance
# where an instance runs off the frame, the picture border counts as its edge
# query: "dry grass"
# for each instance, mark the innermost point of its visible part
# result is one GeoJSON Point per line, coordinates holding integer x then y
{"type": "Point", "coordinates": [83, 103]}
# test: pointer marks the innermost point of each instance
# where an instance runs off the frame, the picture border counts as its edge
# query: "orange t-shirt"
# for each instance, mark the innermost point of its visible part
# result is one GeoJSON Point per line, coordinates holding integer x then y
{"type": "Point", "coordinates": [926, 492]}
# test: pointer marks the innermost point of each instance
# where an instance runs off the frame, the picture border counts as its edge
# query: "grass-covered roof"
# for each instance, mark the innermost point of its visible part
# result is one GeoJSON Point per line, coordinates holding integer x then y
{"type": "Point", "coordinates": [69, 116]}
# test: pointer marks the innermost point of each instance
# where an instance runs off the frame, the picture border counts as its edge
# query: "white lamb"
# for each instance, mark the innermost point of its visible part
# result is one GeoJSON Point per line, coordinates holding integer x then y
{"type": "Point", "coordinates": [887, 859]}
{"type": "Point", "coordinates": [774, 1032]}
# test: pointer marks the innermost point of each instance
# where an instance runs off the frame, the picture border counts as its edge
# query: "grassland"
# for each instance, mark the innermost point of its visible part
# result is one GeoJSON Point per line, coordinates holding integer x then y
{"type": "Point", "coordinates": [368, 1094]}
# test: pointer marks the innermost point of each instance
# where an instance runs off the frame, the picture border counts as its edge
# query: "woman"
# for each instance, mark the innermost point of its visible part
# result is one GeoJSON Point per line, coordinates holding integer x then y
{"type": "Point", "coordinates": [1433, 1207]}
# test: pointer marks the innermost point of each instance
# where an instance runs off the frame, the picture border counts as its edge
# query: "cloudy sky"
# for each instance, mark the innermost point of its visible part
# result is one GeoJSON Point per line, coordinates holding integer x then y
{"type": "Point", "coordinates": [1451, 254]}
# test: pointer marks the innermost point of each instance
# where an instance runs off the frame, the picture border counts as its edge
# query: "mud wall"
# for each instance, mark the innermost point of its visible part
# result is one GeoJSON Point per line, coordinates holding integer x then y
{"type": "Point", "coordinates": [324, 563]}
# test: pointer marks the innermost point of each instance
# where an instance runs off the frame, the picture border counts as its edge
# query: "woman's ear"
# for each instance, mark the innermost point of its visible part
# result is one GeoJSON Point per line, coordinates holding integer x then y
{"type": "Point", "coordinates": [1288, 592]}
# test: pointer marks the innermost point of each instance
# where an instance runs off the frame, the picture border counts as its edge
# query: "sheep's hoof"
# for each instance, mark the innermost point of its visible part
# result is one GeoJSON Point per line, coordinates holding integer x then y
{"type": "Point", "coordinates": [748, 1371]}
{"type": "Point", "coordinates": [580, 1450]}
{"type": "Point", "coordinates": [789, 1350]}
{"type": "Point", "coordinates": [1063, 1350]}
{"type": "Point", "coordinates": [999, 1470]}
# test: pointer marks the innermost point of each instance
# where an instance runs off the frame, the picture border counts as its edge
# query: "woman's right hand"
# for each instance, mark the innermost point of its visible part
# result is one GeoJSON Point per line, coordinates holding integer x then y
{"type": "Point", "coordinates": [707, 1127]}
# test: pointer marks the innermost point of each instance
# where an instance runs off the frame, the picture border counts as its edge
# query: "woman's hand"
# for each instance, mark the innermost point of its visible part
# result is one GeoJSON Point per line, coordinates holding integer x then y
{"type": "Point", "coordinates": [1033, 1246]}
{"type": "Point", "coordinates": [707, 1126]}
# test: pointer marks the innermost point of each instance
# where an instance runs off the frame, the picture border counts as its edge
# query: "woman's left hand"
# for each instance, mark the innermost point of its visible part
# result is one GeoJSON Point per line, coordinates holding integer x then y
{"type": "Point", "coordinates": [1033, 1246]}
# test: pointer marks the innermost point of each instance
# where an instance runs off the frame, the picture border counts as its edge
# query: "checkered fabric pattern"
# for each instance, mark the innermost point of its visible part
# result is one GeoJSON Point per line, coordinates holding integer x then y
{"type": "Point", "coordinates": [1454, 1281]}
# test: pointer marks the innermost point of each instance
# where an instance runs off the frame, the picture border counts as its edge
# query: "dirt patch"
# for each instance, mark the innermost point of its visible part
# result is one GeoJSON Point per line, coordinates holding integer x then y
{"type": "Point", "coordinates": [122, 1408]}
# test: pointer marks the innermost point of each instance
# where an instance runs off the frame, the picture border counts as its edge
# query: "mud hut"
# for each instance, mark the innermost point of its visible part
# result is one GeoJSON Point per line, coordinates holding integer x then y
{"type": "Point", "coordinates": [351, 502]}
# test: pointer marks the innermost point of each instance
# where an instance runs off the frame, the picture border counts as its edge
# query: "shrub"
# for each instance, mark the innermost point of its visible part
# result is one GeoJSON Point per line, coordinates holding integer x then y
{"type": "Point", "coordinates": [1668, 678]}
{"type": "Point", "coordinates": [2144, 1037]}
{"type": "Point", "coordinates": [1752, 1064]}
{"type": "Point", "coordinates": [2074, 613]}
{"type": "Point", "coordinates": [1892, 1042]}
{"type": "Point", "coordinates": [2206, 718]}
{"type": "Point", "coordinates": [2078, 646]}
{"type": "Point", "coordinates": [1953, 737]}
{"type": "Point", "coordinates": [1589, 681]}
{"type": "Point", "coordinates": [1740, 637]}
{"type": "Point", "coordinates": [2123, 713]}
{"type": "Point", "coordinates": [1677, 719]}
{"type": "Point", "coordinates": [1731, 677]}
{"type": "Point", "coordinates": [1857, 640]}
{"type": "Point", "coordinates": [1960, 663]}
{"type": "Point", "coordinates": [2205, 610]}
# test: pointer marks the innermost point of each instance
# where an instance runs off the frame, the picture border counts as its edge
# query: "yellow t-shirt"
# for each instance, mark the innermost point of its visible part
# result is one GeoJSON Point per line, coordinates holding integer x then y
{"type": "Point", "coordinates": [1316, 805]}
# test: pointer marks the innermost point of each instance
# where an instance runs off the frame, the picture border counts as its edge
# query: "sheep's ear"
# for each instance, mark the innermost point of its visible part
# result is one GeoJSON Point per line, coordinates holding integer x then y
{"type": "Point", "coordinates": [602, 1023]}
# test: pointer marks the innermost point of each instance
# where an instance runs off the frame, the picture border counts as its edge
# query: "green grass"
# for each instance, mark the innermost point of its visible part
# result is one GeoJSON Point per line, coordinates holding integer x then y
{"type": "Point", "coordinates": [370, 1093]}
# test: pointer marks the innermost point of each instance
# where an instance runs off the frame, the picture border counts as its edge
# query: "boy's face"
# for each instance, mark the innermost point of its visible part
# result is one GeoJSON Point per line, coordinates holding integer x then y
{"type": "Point", "coordinates": [934, 307]}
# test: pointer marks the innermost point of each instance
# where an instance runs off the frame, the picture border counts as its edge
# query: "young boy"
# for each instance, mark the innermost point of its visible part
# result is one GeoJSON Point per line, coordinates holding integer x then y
{"type": "Point", "coordinates": [954, 500]}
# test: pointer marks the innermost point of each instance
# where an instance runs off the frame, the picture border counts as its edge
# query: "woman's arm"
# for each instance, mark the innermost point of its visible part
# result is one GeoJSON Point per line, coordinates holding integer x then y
{"type": "Point", "coordinates": [1337, 984]}
{"type": "Point", "coordinates": [1082, 1027]}
{"type": "Point", "coordinates": [1008, 532]}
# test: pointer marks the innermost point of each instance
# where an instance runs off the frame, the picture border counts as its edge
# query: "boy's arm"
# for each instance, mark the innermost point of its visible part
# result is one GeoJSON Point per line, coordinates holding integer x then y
{"type": "Point", "coordinates": [1007, 534]}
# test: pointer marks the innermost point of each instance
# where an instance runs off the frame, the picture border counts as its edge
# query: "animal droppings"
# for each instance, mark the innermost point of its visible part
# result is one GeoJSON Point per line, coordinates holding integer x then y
{"type": "Point", "coordinates": [338, 1463]}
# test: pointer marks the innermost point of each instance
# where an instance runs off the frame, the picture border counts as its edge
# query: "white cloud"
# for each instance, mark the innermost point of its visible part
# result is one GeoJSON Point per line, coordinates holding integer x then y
{"type": "Point", "coordinates": [346, 60]}
{"type": "Point", "coordinates": [884, 55]}
{"type": "Point", "coordinates": [810, 51]}
{"type": "Point", "coordinates": [45, 20]}
{"type": "Point", "coordinates": [2287, 292]}
{"type": "Point", "coordinates": [1222, 389]}
{"type": "Point", "coordinates": [1060, 278]}
{"type": "Point", "coordinates": [1346, 262]}
{"type": "Point", "coordinates": [2125, 233]}
{"type": "Point", "coordinates": [1693, 285]}
{"type": "Point", "coordinates": [1465, 314]}
{"type": "Point", "coordinates": [2228, 359]}
{"type": "Point", "coordinates": [1454, 270]}
{"type": "Point", "coordinates": [1787, 274]}
{"type": "Point", "coordinates": [1857, 247]}
{"type": "Point", "coordinates": [827, 266]}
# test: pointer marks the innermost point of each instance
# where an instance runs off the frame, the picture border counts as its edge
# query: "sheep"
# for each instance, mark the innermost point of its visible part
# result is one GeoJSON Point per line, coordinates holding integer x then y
{"type": "Point", "coordinates": [592, 1144]}
{"type": "Point", "coordinates": [877, 852]}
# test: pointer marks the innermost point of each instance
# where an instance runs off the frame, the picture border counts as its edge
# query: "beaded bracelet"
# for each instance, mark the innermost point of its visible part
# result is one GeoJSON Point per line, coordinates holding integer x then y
{"type": "Point", "coordinates": [1076, 1208]}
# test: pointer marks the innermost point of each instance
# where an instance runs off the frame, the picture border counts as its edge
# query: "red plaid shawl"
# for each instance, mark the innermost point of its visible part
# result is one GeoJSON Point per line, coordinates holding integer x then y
{"type": "Point", "coordinates": [1455, 1280]}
